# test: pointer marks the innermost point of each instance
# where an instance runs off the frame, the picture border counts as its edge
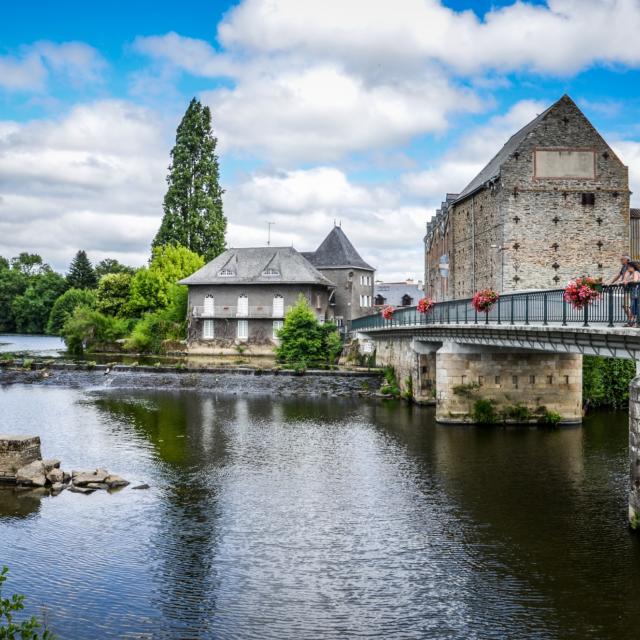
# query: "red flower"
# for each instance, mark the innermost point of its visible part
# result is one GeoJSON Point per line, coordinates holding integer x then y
{"type": "Point", "coordinates": [484, 300]}
{"type": "Point", "coordinates": [387, 312]}
{"type": "Point", "coordinates": [581, 292]}
{"type": "Point", "coordinates": [425, 305]}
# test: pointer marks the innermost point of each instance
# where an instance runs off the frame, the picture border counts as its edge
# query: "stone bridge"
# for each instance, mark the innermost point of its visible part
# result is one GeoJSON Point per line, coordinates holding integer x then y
{"type": "Point", "coordinates": [521, 362]}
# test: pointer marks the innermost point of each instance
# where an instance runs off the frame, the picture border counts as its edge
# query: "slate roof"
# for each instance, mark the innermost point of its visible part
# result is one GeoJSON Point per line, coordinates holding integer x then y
{"type": "Point", "coordinates": [635, 213]}
{"type": "Point", "coordinates": [248, 266]}
{"type": "Point", "coordinates": [492, 169]}
{"type": "Point", "coordinates": [392, 292]}
{"type": "Point", "coordinates": [337, 252]}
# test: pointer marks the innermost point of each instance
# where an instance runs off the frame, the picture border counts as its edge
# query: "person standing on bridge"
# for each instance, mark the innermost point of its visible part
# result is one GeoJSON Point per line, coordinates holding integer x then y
{"type": "Point", "coordinates": [625, 261]}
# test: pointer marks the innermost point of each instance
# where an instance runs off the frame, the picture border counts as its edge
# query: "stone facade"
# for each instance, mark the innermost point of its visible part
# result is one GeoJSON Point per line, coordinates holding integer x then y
{"type": "Point", "coordinates": [17, 452]}
{"type": "Point", "coordinates": [352, 287]}
{"type": "Point", "coordinates": [634, 453]}
{"type": "Point", "coordinates": [553, 204]}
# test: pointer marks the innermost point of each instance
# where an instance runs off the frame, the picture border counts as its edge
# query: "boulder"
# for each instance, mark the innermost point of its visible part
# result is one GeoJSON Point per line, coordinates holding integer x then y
{"type": "Point", "coordinates": [114, 481]}
{"type": "Point", "coordinates": [98, 485]}
{"type": "Point", "coordinates": [55, 476]}
{"type": "Point", "coordinates": [32, 474]}
{"type": "Point", "coordinates": [83, 478]}
{"type": "Point", "coordinates": [141, 486]}
{"type": "Point", "coordinates": [57, 488]}
{"type": "Point", "coordinates": [75, 489]}
{"type": "Point", "coordinates": [51, 463]}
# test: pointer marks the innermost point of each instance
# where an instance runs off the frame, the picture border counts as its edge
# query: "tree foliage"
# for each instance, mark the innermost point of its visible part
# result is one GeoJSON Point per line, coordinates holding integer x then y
{"type": "Point", "coordinates": [151, 286]}
{"type": "Point", "coordinates": [65, 305]}
{"type": "Point", "coordinates": [605, 381]}
{"type": "Point", "coordinates": [81, 274]}
{"type": "Point", "coordinates": [193, 212]}
{"type": "Point", "coordinates": [32, 308]}
{"type": "Point", "coordinates": [87, 329]}
{"type": "Point", "coordinates": [110, 265]}
{"type": "Point", "coordinates": [113, 294]}
{"type": "Point", "coordinates": [304, 341]}
{"type": "Point", "coordinates": [10, 629]}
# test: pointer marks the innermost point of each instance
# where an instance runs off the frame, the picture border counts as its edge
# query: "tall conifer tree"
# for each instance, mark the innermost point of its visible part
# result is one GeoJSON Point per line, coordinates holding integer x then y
{"type": "Point", "coordinates": [81, 274]}
{"type": "Point", "coordinates": [193, 215]}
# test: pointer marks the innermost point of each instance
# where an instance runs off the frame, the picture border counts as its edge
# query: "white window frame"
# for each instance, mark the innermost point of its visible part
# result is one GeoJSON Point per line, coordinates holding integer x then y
{"type": "Point", "coordinates": [243, 306]}
{"type": "Point", "coordinates": [243, 330]}
{"type": "Point", "coordinates": [277, 325]}
{"type": "Point", "coordinates": [209, 306]}
{"type": "Point", "coordinates": [208, 330]}
{"type": "Point", "coordinates": [278, 308]}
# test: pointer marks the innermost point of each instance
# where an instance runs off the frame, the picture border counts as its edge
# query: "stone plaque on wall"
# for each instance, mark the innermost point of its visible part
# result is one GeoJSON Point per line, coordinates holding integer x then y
{"type": "Point", "coordinates": [565, 163]}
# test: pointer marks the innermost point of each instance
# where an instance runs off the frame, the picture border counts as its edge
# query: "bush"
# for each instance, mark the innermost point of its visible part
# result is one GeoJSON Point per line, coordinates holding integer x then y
{"type": "Point", "coordinates": [517, 412]}
{"type": "Point", "coordinates": [484, 412]}
{"type": "Point", "coordinates": [306, 342]}
{"type": "Point", "coordinates": [65, 305]}
{"type": "Point", "coordinates": [88, 328]}
{"type": "Point", "coordinates": [605, 381]}
{"type": "Point", "coordinates": [390, 386]}
{"type": "Point", "coordinates": [551, 418]}
{"type": "Point", "coordinates": [113, 294]}
{"type": "Point", "coordinates": [9, 629]}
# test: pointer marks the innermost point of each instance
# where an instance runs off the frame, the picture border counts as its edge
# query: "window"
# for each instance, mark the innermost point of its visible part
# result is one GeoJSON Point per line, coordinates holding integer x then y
{"type": "Point", "coordinates": [208, 305]}
{"type": "Point", "coordinates": [278, 306]}
{"type": "Point", "coordinates": [243, 329]}
{"type": "Point", "coordinates": [271, 272]}
{"type": "Point", "coordinates": [588, 199]}
{"type": "Point", "coordinates": [318, 301]}
{"type": "Point", "coordinates": [339, 321]}
{"type": "Point", "coordinates": [207, 330]}
{"type": "Point", "coordinates": [277, 325]}
{"type": "Point", "coordinates": [243, 306]}
{"type": "Point", "coordinates": [380, 300]}
{"type": "Point", "coordinates": [407, 300]}
{"type": "Point", "coordinates": [226, 273]}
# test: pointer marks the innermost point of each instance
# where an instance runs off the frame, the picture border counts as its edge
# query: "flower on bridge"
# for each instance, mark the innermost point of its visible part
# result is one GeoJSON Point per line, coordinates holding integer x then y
{"type": "Point", "coordinates": [581, 292]}
{"type": "Point", "coordinates": [387, 312]}
{"type": "Point", "coordinates": [425, 305]}
{"type": "Point", "coordinates": [484, 300]}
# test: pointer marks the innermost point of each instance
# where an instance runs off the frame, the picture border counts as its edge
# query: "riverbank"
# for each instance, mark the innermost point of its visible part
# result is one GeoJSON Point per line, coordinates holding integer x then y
{"type": "Point", "coordinates": [235, 381]}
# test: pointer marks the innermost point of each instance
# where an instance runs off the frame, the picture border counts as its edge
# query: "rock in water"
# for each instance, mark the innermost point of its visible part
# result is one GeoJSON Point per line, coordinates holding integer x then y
{"type": "Point", "coordinates": [83, 478]}
{"type": "Point", "coordinates": [141, 486]}
{"type": "Point", "coordinates": [75, 489]}
{"type": "Point", "coordinates": [34, 474]}
{"type": "Point", "coordinates": [55, 476]}
{"type": "Point", "coordinates": [115, 481]}
{"type": "Point", "coordinates": [51, 463]}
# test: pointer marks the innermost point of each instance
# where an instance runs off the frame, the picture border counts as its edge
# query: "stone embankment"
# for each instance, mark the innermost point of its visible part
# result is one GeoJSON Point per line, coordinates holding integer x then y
{"type": "Point", "coordinates": [22, 465]}
{"type": "Point", "coordinates": [236, 381]}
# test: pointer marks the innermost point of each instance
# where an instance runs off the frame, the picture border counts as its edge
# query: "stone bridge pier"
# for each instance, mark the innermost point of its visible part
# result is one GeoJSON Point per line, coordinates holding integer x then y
{"type": "Point", "coordinates": [520, 385]}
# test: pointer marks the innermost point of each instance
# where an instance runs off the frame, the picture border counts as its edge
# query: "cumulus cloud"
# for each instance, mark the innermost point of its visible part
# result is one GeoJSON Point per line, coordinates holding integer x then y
{"type": "Point", "coordinates": [92, 179]}
{"type": "Point", "coordinates": [30, 70]}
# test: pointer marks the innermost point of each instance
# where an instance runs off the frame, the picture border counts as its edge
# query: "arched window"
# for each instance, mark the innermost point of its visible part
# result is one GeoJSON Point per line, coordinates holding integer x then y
{"type": "Point", "coordinates": [380, 300]}
{"type": "Point", "coordinates": [278, 306]}
{"type": "Point", "coordinates": [208, 306]}
{"type": "Point", "coordinates": [243, 305]}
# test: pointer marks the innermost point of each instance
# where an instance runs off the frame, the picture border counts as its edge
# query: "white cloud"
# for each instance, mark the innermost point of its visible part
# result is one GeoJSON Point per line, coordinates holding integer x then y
{"type": "Point", "coordinates": [76, 61]}
{"type": "Point", "coordinates": [93, 179]}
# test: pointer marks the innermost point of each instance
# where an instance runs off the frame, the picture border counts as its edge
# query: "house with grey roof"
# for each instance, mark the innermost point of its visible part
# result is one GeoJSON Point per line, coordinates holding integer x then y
{"type": "Point", "coordinates": [339, 261]}
{"type": "Point", "coordinates": [397, 294]}
{"type": "Point", "coordinates": [242, 296]}
{"type": "Point", "coordinates": [552, 204]}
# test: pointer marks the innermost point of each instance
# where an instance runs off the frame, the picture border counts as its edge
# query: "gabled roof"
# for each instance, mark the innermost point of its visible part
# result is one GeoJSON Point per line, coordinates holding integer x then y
{"type": "Point", "coordinates": [248, 266]}
{"type": "Point", "coordinates": [337, 252]}
{"type": "Point", "coordinates": [492, 170]}
{"type": "Point", "coordinates": [392, 292]}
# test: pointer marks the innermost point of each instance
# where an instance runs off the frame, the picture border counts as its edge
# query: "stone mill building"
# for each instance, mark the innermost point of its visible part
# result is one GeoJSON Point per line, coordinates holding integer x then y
{"type": "Point", "coordinates": [552, 204]}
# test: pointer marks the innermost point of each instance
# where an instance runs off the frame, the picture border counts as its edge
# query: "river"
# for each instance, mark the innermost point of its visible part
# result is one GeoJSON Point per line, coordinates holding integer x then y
{"type": "Point", "coordinates": [284, 518]}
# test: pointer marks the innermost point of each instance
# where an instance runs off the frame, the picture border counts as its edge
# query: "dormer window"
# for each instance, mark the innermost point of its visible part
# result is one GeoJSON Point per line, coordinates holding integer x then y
{"type": "Point", "coordinates": [226, 273]}
{"type": "Point", "coordinates": [271, 272]}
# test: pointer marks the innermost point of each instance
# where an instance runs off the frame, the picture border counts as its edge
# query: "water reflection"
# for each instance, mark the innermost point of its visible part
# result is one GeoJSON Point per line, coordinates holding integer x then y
{"type": "Point", "coordinates": [18, 503]}
{"type": "Point", "coordinates": [330, 518]}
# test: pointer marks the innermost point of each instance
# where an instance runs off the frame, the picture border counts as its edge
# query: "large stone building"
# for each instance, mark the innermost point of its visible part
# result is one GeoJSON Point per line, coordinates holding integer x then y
{"type": "Point", "coordinates": [552, 204]}
{"type": "Point", "coordinates": [337, 259]}
{"type": "Point", "coordinates": [242, 296]}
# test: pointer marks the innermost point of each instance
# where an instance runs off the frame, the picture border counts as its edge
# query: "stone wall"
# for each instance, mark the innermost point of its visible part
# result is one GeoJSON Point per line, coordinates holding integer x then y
{"type": "Point", "coordinates": [348, 291]}
{"type": "Point", "coordinates": [634, 453]}
{"type": "Point", "coordinates": [507, 378]}
{"type": "Point", "coordinates": [16, 452]}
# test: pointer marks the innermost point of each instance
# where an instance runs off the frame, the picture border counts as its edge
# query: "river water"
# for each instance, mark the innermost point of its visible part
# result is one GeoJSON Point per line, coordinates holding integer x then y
{"type": "Point", "coordinates": [35, 345]}
{"type": "Point", "coordinates": [284, 518]}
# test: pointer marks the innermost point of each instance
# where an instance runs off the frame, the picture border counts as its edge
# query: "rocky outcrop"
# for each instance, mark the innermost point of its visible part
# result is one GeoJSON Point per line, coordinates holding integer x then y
{"type": "Point", "coordinates": [17, 452]}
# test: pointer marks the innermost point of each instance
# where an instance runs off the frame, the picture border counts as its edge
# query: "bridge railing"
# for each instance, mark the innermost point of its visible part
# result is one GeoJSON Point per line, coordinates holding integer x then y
{"type": "Point", "coordinates": [544, 307]}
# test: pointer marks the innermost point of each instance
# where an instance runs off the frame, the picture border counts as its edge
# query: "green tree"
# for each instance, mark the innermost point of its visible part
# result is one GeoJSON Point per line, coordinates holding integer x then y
{"type": "Point", "coordinates": [13, 282]}
{"type": "Point", "coordinates": [31, 309]}
{"type": "Point", "coordinates": [81, 274]}
{"type": "Point", "coordinates": [65, 305]}
{"type": "Point", "coordinates": [113, 293]}
{"type": "Point", "coordinates": [150, 286]}
{"type": "Point", "coordinates": [110, 265]}
{"type": "Point", "coordinates": [88, 329]}
{"type": "Point", "coordinates": [9, 628]}
{"type": "Point", "coordinates": [304, 341]}
{"type": "Point", "coordinates": [29, 264]}
{"type": "Point", "coordinates": [193, 213]}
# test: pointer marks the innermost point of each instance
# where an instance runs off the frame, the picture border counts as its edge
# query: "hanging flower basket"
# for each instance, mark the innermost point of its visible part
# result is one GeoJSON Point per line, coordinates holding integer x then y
{"type": "Point", "coordinates": [425, 305]}
{"type": "Point", "coordinates": [581, 292]}
{"type": "Point", "coordinates": [387, 312]}
{"type": "Point", "coordinates": [484, 300]}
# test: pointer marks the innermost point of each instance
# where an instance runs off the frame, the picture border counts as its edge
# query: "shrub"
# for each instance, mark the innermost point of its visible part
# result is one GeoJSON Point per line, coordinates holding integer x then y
{"type": "Point", "coordinates": [113, 293]}
{"type": "Point", "coordinates": [65, 305]}
{"type": "Point", "coordinates": [484, 412]}
{"type": "Point", "coordinates": [551, 418]}
{"type": "Point", "coordinates": [390, 387]}
{"type": "Point", "coordinates": [605, 381]}
{"type": "Point", "coordinates": [88, 328]}
{"type": "Point", "coordinates": [517, 412]}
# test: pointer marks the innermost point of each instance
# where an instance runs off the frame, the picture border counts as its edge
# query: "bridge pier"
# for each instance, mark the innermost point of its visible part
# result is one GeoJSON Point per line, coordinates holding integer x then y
{"type": "Point", "coordinates": [520, 385]}
{"type": "Point", "coordinates": [634, 453]}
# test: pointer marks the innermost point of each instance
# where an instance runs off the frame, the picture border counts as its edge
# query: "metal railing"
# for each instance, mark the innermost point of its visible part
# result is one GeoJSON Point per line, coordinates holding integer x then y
{"type": "Point", "coordinates": [545, 307]}
{"type": "Point", "coordinates": [231, 311]}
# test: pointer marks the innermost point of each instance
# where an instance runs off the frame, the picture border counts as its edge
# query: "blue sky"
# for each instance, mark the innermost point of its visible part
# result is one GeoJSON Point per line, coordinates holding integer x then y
{"type": "Point", "coordinates": [362, 111]}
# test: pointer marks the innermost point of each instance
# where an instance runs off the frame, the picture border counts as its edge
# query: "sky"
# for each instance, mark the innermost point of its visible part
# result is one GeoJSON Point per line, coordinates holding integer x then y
{"type": "Point", "coordinates": [363, 113]}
